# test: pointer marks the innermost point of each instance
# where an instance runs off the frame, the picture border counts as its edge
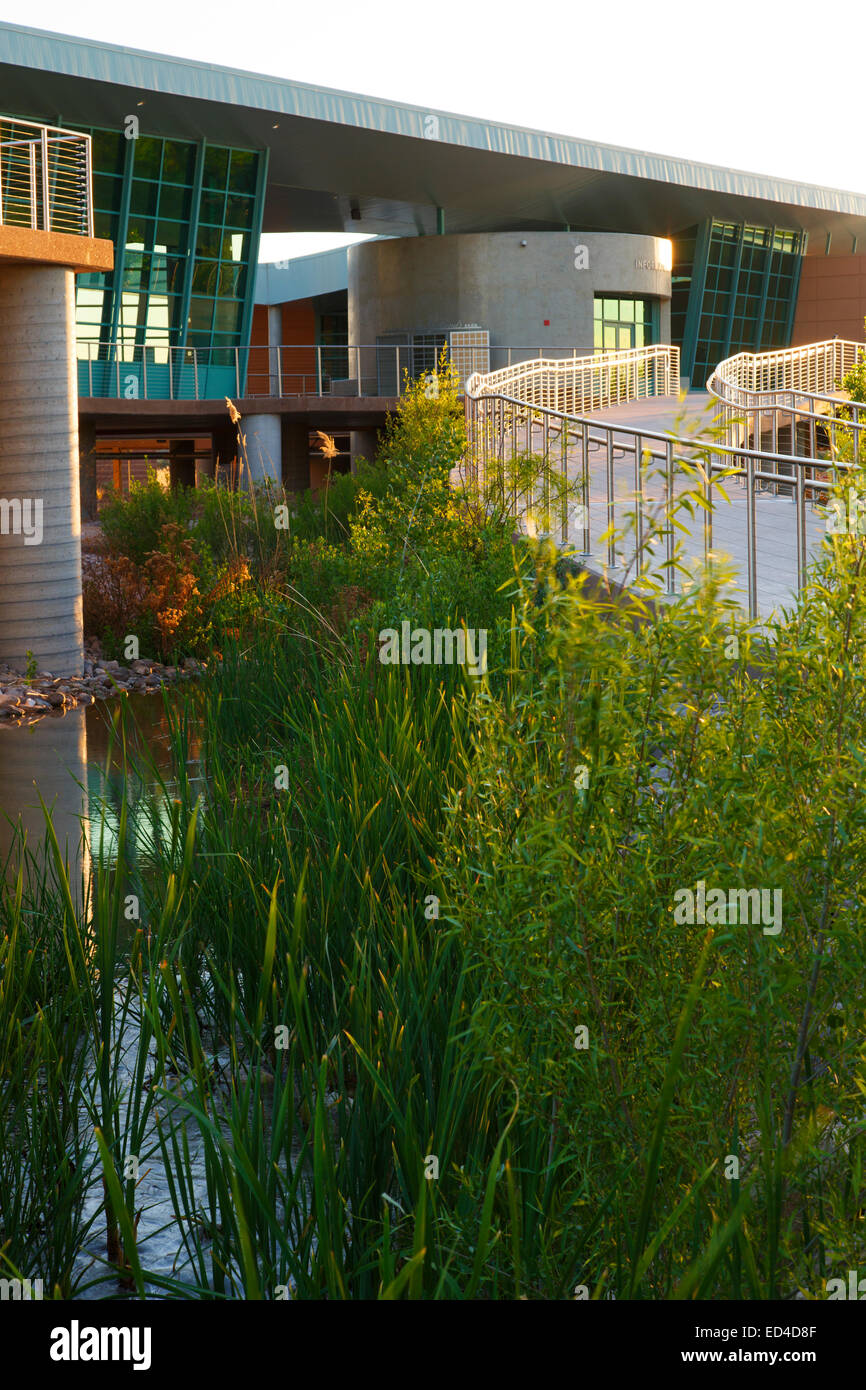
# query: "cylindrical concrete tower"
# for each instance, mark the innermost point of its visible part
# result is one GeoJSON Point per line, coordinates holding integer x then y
{"type": "Point", "coordinates": [40, 518]}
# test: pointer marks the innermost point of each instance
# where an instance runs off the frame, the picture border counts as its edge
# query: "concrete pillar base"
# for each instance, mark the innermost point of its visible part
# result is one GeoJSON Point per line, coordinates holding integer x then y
{"type": "Point", "coordinates": [181, 463]}
{"type": "Point", "coordinates": [204, 471]}
{"type": "Point", "coordinates": [264, 451]}
{"type": "Point", "coordinates": [364, 445]}
{"type": "Point", "coordinates": [40, 503]}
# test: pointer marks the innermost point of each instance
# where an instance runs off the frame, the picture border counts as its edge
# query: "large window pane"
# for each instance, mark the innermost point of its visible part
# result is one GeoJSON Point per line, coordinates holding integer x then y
{"type": "Point", "coordinates": [242, 174]}
{"type": "Point", "coordinates": [216, 165]}
{"type": "Point", "coordinates": [142, 201]}
{"type": "Point", "coordinates": [178, 162]}
{"type": "Point", "coordinates": [175, 202]}
{"type": "Point", "coordinates": [200, 314]}
{"type": "Point", "coordinates": [148, 157]}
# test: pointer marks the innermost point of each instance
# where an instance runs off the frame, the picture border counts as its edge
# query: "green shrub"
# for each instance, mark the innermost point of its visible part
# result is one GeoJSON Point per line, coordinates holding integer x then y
{"type": "Point", "coordinates": [134, 525]}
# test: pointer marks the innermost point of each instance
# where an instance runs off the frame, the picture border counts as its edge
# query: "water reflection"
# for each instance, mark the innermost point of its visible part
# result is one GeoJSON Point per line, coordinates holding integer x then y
{"type": "Point", "coordinates": [76, 763]}
{"type": "Point", "coordinates": [148, 778]}
{"type": "Point", "coordinates": [48, 758]}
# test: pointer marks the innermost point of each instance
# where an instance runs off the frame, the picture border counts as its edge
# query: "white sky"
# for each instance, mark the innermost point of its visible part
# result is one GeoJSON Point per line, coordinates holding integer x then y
{"type": "Point", "coordinates": [749, 84]}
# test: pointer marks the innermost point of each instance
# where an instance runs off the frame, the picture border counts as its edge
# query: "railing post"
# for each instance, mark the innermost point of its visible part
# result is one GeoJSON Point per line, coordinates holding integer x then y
{"type": "Point", "coordinates": [31, 160]}
{"type": "Point", "coordinates": [611, 503]}
{"type": "Point", "coordinates": [638, 502]}
{"type": "Point", "coordinates": [195, 370]}
{"type": "Point", "coordinates": [800, 501]}
{"type": "Point", "coordinates": [563, 476]}
{"type": "Point", "coordinates": [584, 489]}
{"type": "Point", "coordinates": [545, 445]}
{"type": "Point", "coordinates": [88, 184]}
{"type": "Point", "coordinates": [669, 528]}
{"type": "Point", "coordinates": [708, 514]}
{"type": "Point", "coordinates": [320, 390]}
{"type": "Point", "coordinates": [751, 538]}
{"type": "Point", "coordinates": [358, 365]}
{"type": "Point", "coordinates": [46, 196]}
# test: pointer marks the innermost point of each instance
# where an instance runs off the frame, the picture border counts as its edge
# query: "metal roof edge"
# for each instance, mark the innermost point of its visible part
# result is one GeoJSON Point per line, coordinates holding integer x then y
{"type": "Point", "coordinates": [129, 67]}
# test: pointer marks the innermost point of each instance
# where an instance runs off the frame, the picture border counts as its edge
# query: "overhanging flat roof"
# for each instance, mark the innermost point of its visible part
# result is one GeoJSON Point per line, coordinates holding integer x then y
{"type": "Point", "coordinates": [333, 152]}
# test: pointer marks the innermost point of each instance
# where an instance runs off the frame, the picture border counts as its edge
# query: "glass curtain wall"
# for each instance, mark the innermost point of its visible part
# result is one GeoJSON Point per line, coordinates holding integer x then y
{"type": "Point", "coordinates": [734, 290]}
{"type": "Point", "coordinates": [184, 218]}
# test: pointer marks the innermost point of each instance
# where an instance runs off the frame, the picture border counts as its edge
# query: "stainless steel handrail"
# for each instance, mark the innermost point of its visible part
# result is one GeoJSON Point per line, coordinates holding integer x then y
{"type": "Point", "coordinates": [593, 382]}
{"type": "Point", "coordinates": [791, 386]}
{"type": "Point", "coordinates": [498, 424]}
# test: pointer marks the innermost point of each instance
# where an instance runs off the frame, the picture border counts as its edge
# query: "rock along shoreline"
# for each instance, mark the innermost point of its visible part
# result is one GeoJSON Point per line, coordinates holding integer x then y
{"type": "Point", "coordinates": [24, 701]}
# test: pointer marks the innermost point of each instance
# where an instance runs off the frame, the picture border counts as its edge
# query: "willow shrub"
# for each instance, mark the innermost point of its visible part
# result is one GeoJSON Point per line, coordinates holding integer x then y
{"type": "Point", "coordinates": [700, 1085]}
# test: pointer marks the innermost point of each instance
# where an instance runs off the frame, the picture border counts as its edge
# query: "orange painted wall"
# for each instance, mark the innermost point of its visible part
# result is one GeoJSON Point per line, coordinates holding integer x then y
{"type": "Point", "coordinates": [299, 363]}
{"type": "Point", "coordinates": [832, 299]}
{"type": "Point", "coordinates": [257, 374]}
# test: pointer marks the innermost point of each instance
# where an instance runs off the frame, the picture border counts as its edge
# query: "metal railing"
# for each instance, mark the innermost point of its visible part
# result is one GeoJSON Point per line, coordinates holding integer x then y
{"type": "Point", "coordinates": [583, 455]}
{"type": "Point", "coordinates": [157, 371]}
{"type": "Point", "coordinates": [792, 396]}
{"type": "Point", "coordinates": [582, 384]}
{"type": "Point", "coordinates": [45, 178]}
{"type": "Point", "coordinates": [814, 369]}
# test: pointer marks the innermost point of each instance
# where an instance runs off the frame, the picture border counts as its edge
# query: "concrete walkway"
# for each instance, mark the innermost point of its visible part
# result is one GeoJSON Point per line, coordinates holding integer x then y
{"type": "Point", "coordinates": [660, 413]}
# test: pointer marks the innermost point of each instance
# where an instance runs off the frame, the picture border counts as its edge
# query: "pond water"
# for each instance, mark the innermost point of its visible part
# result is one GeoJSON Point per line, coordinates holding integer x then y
{"type": "Point", "coordinates": [75, 765]}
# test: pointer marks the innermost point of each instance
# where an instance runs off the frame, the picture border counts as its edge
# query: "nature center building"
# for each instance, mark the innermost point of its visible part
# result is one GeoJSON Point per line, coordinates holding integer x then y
{"type": "Point", "coordinates": [496, 241]}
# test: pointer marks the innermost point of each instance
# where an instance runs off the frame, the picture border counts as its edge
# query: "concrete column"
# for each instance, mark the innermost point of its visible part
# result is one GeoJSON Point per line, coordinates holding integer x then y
{"type": "Point", "coordinates": [87, 468]}
{"type": "Point", "coordinates": [181, 463]}
{"type": "Point", "coordinates": [204, 470]}
{"type": "Point", "coordinates": [363, 446]}
{"type": "Point", "coordinates": [40, 574]}
{"type": "Point", "coordinates": [264, 452]}
{"type": "Point", "coordinates": [296, 455]}
{"type": "Point", "coordinates": [275, 342]}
